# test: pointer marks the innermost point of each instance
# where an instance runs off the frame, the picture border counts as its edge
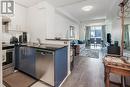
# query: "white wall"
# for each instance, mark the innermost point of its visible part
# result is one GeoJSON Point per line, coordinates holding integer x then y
{"type": "Point", "coordinates": [94, 22]}
{"type": "Point", "coordinates": [62, 26]}
{"type": "Point", "coordinates": [50, 15]}
{"type": "Point", "coordinates": [109, 25]}
{"type": "Point", "coordinates": [37, 22]}
{"type": "Point", "coordinates": [127, 20]}
{"type": "Point", "coordinates": [18, 23]}
{"type": "Point", "coordinates": [47, 23]}
{"type": "Point", "coordinates": [116, 31]}
{"type": "Point", "coordinates": [41, 21]}
{"type": "Point", "coordinates": [19, 20]}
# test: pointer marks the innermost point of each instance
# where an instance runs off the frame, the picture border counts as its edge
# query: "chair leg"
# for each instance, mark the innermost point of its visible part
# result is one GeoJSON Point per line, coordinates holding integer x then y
{"type": "Point", "coordinates": [123, 81]}
{"type": "Point", "coordinates": [107, 77]}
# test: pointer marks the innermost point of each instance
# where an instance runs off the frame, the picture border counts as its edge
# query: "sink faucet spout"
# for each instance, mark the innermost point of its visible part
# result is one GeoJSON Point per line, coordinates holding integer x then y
{"type": "Point", "coordinates": [39, 41]}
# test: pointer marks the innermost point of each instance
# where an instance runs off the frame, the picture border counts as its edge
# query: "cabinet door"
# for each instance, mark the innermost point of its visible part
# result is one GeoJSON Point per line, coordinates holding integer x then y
{"type": "Point", "coordinates": [27, 60]}
{"type": "Point", "coordinates": [60, 65]}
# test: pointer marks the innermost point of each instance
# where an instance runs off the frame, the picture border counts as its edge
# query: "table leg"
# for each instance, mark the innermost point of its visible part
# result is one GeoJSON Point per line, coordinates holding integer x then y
{"type": "Point", "coordinates": [105, 75]}
{"type": "Point", "coordinates": [107, 78]}
{"type": "Point", "coordinates": [123, 81]}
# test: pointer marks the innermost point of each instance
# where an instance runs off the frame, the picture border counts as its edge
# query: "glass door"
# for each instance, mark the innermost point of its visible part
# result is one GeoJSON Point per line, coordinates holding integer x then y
{"type": "Point", "coordinates": [96, 35]}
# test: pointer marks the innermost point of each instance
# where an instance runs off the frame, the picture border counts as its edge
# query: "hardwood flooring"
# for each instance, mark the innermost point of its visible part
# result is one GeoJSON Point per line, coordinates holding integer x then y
{"type": "Point", "coordinates": [89, 72]}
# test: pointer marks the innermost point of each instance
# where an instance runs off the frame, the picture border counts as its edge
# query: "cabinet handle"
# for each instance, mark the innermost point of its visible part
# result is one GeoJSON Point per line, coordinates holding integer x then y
{"type": "Point", "coordinates": [24, 51]}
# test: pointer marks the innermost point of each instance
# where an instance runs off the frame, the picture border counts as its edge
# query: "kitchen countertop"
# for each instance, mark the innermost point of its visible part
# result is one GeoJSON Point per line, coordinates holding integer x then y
{"type": "Point", "coordinates": [7, 46]}
{"type": "Point", "coordinates": [51, 47]}
{"type": "Point", "coordinates": [59, 39]}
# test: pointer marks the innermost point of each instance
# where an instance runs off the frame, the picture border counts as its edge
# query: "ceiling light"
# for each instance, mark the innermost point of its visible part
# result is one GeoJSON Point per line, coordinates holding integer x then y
{"type": "Point", "coordinates": [87, 8]}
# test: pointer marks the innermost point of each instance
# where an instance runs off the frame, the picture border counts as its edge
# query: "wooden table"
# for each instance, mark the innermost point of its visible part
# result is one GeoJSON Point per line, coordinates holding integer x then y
{"type": "Point", "coordinates": [115, 65]}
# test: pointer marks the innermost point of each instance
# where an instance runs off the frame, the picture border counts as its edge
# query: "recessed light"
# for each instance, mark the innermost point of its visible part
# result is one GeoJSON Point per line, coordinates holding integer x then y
{"type": "Point", "coordinates": [87, 8]}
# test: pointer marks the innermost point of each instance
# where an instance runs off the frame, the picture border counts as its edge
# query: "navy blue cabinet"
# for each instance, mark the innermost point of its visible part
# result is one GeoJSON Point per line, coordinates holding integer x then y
{"type": "Point", "coordinates": [26, 60]}
{"type": "Point", "coordinates": [60, 65]}
{"type": "Point", "coordinates": [16, 57]}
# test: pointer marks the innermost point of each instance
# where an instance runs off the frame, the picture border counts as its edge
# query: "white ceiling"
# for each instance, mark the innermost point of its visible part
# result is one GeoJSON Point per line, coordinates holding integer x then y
{"type": "Point", "coordinates": [28, 3]}
{"type": "Point", "coordinates": [100, 10]}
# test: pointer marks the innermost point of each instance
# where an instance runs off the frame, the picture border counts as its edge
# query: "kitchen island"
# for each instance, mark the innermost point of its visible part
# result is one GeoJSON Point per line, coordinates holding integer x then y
{"type": "Point", "coordinates": [45, 62]}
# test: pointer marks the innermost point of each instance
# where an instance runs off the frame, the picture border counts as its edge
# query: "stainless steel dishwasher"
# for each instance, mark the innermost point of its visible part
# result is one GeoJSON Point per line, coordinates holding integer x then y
{"type": "Point", "coordinates": [45, 66]}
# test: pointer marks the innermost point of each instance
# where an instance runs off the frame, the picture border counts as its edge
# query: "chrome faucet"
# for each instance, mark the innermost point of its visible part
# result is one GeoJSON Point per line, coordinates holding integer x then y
{"type": "Point", "coordinates": [39, 41]}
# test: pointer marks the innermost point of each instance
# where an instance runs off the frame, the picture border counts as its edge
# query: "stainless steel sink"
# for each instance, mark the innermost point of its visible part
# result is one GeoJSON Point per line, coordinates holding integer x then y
{"type": "Point", "coordinates": [34, 44]}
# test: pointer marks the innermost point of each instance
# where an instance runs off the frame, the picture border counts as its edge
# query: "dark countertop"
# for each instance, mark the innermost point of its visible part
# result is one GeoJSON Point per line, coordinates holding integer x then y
{"type": "Point", "coordinates": [51, 47]}
{"type": "Point", "coordinates": [59, 39]}
{"type": "Point", "coordinates": [7, 46]}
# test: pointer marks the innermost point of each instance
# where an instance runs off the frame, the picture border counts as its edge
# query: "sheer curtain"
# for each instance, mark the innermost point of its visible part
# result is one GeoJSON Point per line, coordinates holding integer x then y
{"type": "Point", "coordinates": [126, 36]}
{"type": "Point", "coordinates": [87, 35]}
{"type": "Point", "coordinates": [104, 33]}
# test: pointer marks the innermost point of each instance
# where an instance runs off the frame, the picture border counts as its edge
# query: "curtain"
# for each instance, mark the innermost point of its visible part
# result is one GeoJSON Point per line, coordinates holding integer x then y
{"type": "Point", "coordinates": [104, 33]}
{"type": "Point", "coordinates": [87, 35]}
{"type": "Point", "coordinates": [126, 36]}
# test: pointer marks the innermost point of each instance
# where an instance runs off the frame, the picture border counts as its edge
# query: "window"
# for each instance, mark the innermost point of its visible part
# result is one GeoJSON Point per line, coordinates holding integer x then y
{"type": "Point", "coordinates": [96, 32]}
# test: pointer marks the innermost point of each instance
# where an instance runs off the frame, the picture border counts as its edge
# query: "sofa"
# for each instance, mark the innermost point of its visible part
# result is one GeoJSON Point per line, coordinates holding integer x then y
{"type": "Point", "coordinates": [113, 49]}
{"type": "Point", "coordinates": [78, 45]}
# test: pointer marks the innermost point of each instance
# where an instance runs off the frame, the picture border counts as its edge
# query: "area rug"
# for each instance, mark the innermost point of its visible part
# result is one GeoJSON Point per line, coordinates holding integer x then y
{"type": "Point", "coordinates": [18, 79]}
{"type": "Point", "coordinates": [90, 53]}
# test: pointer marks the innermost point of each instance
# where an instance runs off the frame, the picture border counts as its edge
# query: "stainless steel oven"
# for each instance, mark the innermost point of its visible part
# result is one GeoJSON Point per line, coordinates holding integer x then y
{"type": "Point", "coordinates": [8, 58]}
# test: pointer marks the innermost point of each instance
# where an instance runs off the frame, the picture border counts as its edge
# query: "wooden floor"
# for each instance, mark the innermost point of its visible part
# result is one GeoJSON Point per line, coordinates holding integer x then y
{"type": "Point", "coordinates": [89, 72]}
